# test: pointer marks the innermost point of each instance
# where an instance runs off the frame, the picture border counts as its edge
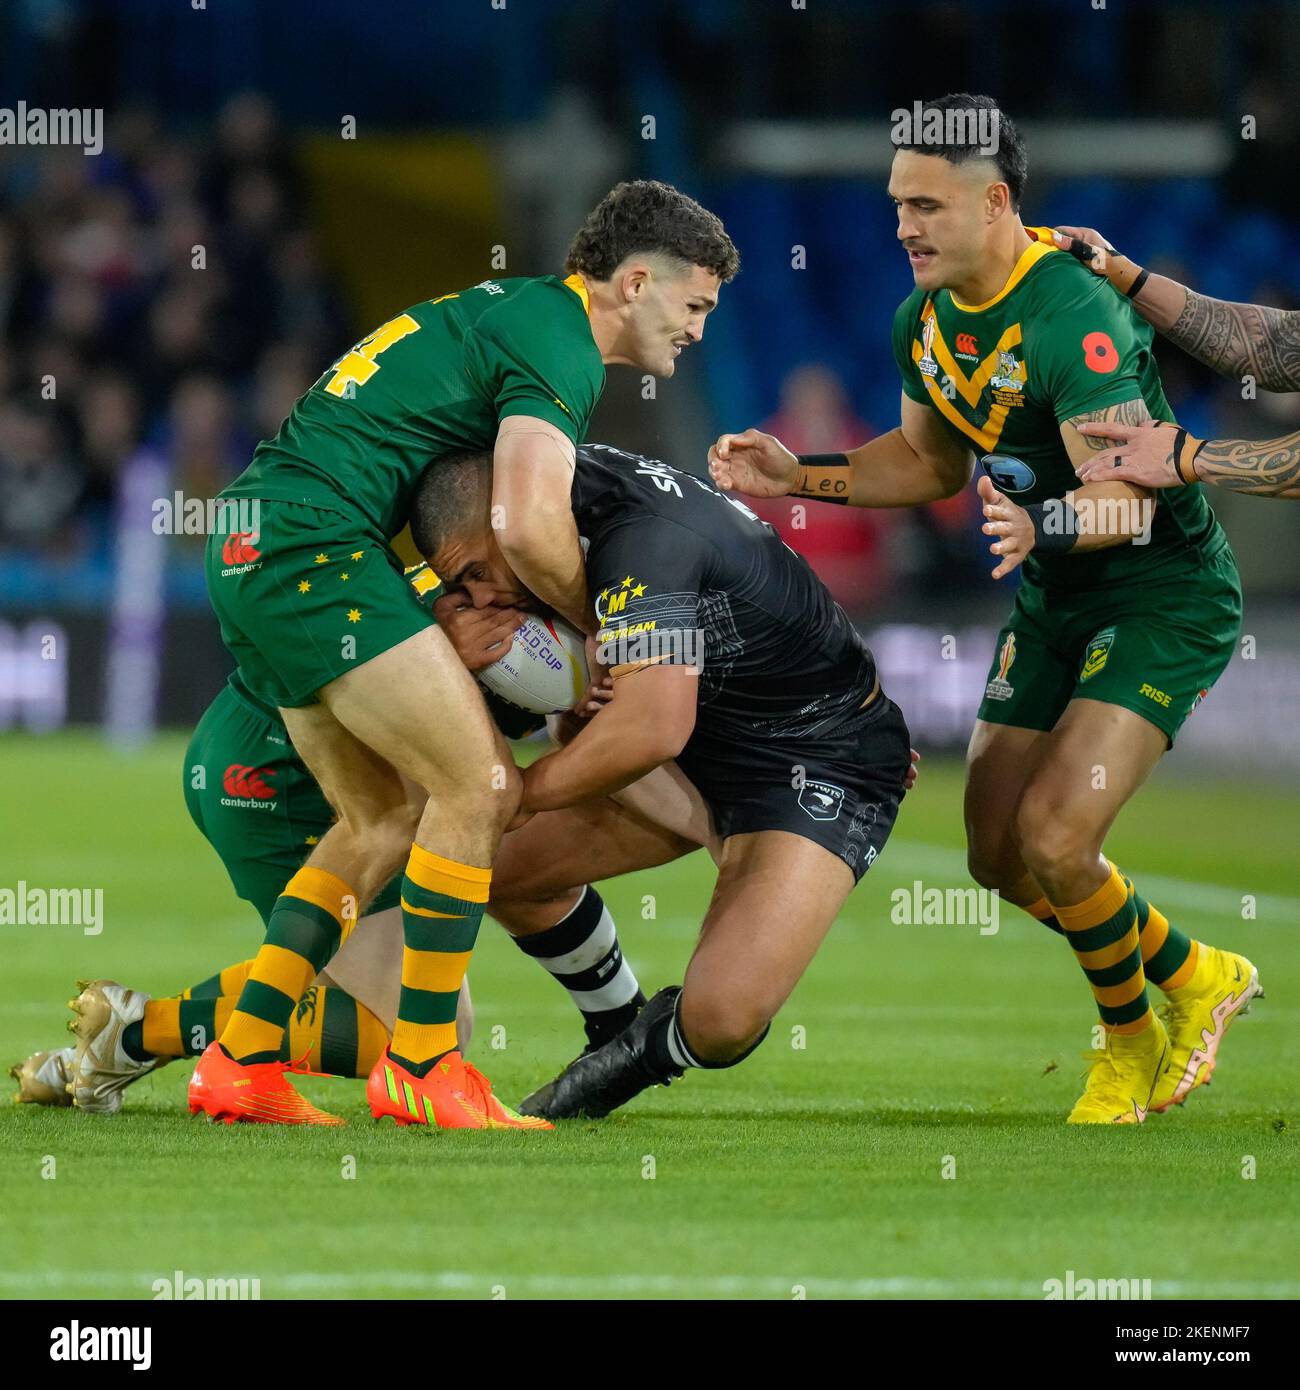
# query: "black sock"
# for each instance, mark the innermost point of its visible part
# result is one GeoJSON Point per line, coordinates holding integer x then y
{"type": "Point", "coordinates": [583, 954]}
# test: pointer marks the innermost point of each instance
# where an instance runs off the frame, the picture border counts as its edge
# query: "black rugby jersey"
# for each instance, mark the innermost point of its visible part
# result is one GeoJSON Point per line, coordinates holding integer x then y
{"type": "Point", "coordinates": [682, 572]}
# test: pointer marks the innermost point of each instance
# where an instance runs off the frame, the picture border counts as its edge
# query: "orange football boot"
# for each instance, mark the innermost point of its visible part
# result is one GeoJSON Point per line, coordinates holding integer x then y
{"type": "Point", "coordinates": [452, 1095]}
{"type": "Point", "coordinates": [255, 1092]}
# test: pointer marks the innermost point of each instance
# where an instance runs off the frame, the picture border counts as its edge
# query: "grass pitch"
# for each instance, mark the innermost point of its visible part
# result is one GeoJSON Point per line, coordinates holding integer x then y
{"type": "Point", "coordinates": [907, 1052]}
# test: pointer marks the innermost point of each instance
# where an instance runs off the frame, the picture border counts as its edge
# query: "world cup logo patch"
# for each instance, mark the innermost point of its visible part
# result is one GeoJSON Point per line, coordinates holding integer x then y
{"type": "Point", "coordinates": [1000, 688]}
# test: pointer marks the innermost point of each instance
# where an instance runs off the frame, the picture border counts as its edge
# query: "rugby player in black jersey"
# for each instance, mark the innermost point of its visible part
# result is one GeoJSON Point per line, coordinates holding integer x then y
{"type": "Point", "coordinates": [730, 656]}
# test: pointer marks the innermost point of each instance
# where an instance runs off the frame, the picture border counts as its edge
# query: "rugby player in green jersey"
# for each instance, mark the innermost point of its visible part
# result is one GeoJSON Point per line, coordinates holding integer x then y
{"type": "Point", "coordinates": [1127, 613]}
{"type": "Point", "coordinates": [389, 722]}
{"type": "Point", "coordinates": [255, 802]}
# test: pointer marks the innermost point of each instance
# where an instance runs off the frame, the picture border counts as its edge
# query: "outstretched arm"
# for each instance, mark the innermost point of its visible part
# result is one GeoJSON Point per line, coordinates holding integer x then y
{"type": "Point", "coordinates": [921, 461]}
{"type": "Point", "coordinates": [1160, 455]}
{"type": "Point", "coordinates": [1235, 339]}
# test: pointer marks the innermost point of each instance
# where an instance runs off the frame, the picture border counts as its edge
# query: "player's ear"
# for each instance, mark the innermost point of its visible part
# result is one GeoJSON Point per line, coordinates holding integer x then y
{"type": "Point", "coordinates": [634, 281]}
{"type": "Point", "coordinates": [997, 200]}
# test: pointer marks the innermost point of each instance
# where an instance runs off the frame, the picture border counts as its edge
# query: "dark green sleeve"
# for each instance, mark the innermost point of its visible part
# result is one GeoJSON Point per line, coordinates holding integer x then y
{"type": "Point", "coordinates": [1089, 352]}
{"type": "Point", "coordinates": [905, 323]}
{"type": "Point", "coordinates": [536, 356]}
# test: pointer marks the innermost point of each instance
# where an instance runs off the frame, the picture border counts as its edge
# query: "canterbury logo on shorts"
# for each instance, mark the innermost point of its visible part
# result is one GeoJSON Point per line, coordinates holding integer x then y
{"type": "Point", "coordinates": [239, 780]}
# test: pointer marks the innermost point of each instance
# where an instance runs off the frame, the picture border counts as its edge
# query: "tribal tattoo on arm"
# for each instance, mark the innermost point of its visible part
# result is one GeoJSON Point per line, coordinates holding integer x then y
{"type": "Point", "coordinates": [1241, 340]}
{"type": "Point", "coordinates": [1258, 467]}
{"type": "Point", "coordinates": [1132, 412]}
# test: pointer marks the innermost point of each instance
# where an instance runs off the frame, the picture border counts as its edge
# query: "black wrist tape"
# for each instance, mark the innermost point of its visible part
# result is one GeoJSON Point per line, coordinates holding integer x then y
{"type": "Point", "coordinates": [1057, 535]}
{"type": "Point", "coordinates": [827, 477]}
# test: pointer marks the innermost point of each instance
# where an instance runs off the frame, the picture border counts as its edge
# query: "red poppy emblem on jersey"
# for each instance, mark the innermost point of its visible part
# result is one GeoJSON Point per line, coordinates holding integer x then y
{"type": "Point", "coordinates": [1099, 353]}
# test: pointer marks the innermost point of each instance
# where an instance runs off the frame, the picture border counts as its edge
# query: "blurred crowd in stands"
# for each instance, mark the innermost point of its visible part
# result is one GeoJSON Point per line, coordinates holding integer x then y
{"type": "Point", "coordinates": [168, 294]}
{"type": "Point", "coordinates": [165, 294]}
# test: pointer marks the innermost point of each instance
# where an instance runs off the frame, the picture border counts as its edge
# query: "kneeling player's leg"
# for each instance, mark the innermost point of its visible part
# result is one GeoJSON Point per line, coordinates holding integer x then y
{"type": "Point", "coordinates": [542, 894]}
{"type": "Point", "coordinates": [776, 897]}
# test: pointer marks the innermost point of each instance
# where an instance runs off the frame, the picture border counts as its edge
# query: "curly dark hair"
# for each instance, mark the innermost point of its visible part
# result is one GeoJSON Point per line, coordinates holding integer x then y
{"type": "Point", "coordinates": [646, 215]}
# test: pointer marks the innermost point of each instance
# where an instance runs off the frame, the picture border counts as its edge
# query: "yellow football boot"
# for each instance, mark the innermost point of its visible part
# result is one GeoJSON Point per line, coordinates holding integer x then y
{"type": "Point", "coordinates": [1122, 1078]}
{"type": "Point", "coordinates": [1198, 1016]}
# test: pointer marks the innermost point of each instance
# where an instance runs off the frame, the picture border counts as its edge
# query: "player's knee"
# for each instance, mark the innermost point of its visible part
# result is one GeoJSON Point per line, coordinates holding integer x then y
{"type": "Point", "coordinates": [486, 795]}
{"type": "Point", "coordinates": [384, 842]}
{"type": "Point", "coordinates": [1049, 840]}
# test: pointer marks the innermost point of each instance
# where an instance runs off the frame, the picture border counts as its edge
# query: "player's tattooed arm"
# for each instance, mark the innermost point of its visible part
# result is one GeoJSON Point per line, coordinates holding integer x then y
{"type": "Point", "coordinates": [1080, 446]}
{"type": "Point", "coordinates": [1235, 339]}
{"type": "Point", "coordinates": [1240, 339]}
{"type": "Point", "coordinates": [1161, 455]}
{"type": "Point", "coordinates": [1263, 468]}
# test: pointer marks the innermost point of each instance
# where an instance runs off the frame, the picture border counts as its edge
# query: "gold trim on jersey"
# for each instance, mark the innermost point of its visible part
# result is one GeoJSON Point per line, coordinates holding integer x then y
{"type": "Point", "coordinates": [1032, 254]}
{"type": "Point", "coordinates": [969, 389]}
{"type": "Point", "coordinates": [576, 284]}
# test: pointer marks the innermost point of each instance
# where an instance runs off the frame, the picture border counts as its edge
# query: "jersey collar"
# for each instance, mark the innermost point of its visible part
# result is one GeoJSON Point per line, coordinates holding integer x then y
{"type": "Point", "coordinates": [575, 283]}
{"type": "Point", "coordinates": [1032, 254]}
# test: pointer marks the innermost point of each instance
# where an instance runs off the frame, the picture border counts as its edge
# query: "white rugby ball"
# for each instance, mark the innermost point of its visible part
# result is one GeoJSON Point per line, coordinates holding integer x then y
{"type": "Point", "coordinates": [545, 670]}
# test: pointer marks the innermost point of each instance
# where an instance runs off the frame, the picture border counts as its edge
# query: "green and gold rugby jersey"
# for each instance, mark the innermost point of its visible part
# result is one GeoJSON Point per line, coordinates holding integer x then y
{"type": "Point", "coordinates": [1055, 342]}
{"type": "Point", "coordinates": [435, 379]}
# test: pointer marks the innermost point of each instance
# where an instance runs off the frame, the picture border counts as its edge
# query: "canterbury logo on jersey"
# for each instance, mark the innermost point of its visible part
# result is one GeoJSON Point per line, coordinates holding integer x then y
{"type": "Point", "coordinates": [239, 549]}
{"type": "Point", "coordinates": [239, 780]}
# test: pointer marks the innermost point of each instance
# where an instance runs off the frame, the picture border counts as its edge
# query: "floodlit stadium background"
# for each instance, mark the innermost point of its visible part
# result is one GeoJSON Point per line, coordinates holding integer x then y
{"type": "Point", "coordinates": [481, 137]}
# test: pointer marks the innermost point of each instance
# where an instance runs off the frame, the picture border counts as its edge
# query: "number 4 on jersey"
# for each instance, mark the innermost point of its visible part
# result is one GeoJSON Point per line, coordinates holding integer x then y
{"type": "Point", "coordinates": [356, 367]}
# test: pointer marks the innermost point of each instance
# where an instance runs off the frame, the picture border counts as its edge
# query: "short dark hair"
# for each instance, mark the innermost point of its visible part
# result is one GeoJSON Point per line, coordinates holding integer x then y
{"type": "Point", "coordinates": [646, 215]}
{"type": "Point", "coordinates": [453, 498]}
{"type": "Point", "coordinates": [1010, 157]}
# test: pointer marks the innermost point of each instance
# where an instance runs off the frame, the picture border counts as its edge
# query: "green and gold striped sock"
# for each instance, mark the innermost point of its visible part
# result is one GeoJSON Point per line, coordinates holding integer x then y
{"type": "Point", "coordinates": [305, 928]}
{"type": "Point", "coordinates": [177, 1027]}
{"type": "Point", "coordinates": [442, 906]}
{"type": "Point", "coordinates": [334, 1033]}
{"type": "Point", "coordinates": [1041, 911]}
{"type": "Point", "coordinates": [330, 1031]}
{"type": "Point", "coordinates": [1102, 932]}
{"type": "Point", "coordinates": [228, 981]}
{"type": "Point", "coordinates": [1168, 957]}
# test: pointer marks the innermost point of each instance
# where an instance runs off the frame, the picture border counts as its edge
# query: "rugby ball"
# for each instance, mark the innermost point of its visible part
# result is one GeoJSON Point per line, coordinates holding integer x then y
{"type": "Point", "coordinates": [544, 671]}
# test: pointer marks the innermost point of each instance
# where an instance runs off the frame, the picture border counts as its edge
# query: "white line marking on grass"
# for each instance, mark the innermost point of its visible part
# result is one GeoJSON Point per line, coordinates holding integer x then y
{"type": "Point", "coordinates": [301, 1282]}
{"type": "Point", "coordinates": [1186, 895]}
